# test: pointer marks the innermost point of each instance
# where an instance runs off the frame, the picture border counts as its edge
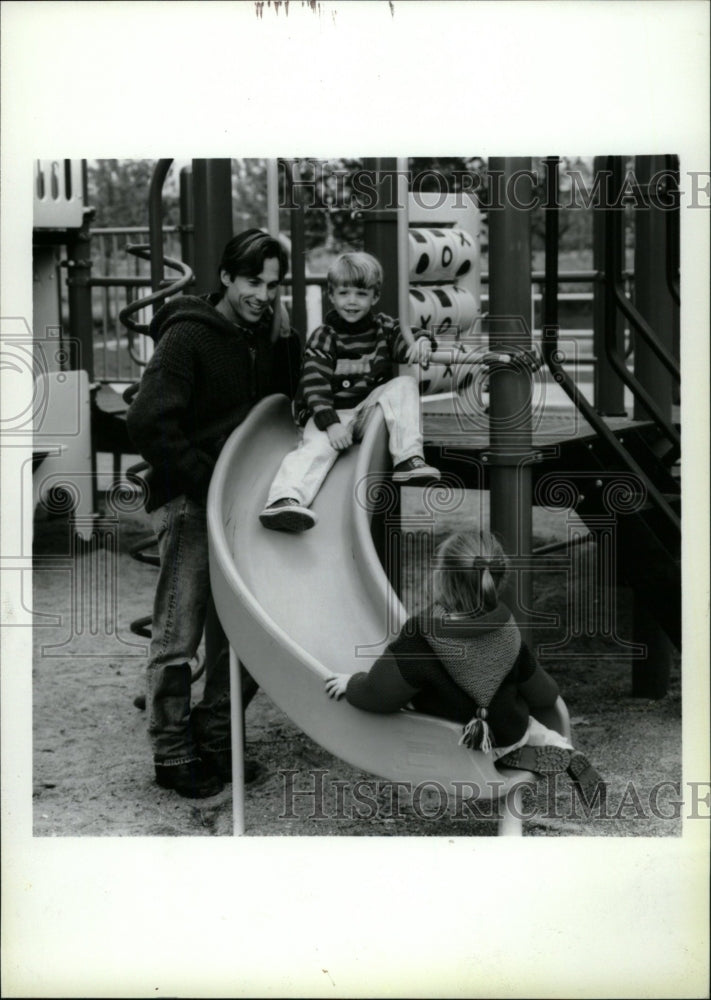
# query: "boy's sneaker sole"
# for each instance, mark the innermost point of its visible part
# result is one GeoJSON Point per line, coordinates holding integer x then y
{"type": "Point", "coordinates": [427, 474]}
{"type": "Point", "coordinates": [293, 519]}
{"type": "Point", "coordinates": [541, 760]}
{"type": "Point", "coordinates": [555, 760]}
{"type": "Point", "coordinates": [587, 779]}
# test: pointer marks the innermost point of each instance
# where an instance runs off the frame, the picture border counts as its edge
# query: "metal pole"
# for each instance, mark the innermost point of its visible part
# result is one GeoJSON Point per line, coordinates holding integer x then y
{"type": "Point", "coordinates": [85, 183]}
{"type": "Point", "coordinates": [273, 227]}
{"type": "Point", "coordinates": [212, 192]}
{"type": "Point", "coordinates": [673, 251]}
{"type": "Point", "coordinates": [380, 232]}
{"type": "Point", "coordinates": [237, 733]}
{"type": "Point", "coordinates": [79, 297]}
{"type": "Point", "coordinates": [187, 217]}
{"type": "Point", "coordinates": [273, 196]}
{"type": "Point", "coordinates": [81, 320]}
{"type": "Point", "coordinates": [382, 235]}
{"type": "Point", "coordinates": [155, 221]}
{"type": "Point", "coordinates": [403, 251]}
{"type": "Point", "coordinates": [609, 388]}
{"type": "Point", "coordinates": [550, 285]}
{"type": "Point", "coordinates": [653, 298]}
{"type": "Point", "coordinates": [650, 676]}
{"type": "Point", "coordinates": [298, 251]}
{"type": "Point", "coordinates": [510, 386]}
{"type": "Point", "coordinates": [618, 300]}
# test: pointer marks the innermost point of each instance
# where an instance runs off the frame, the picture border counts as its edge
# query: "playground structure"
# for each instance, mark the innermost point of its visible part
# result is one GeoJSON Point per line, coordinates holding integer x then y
{"type": "Point", "coordinates": [619, 471]}
{"type": "Point", "coordinates": [291, 643]}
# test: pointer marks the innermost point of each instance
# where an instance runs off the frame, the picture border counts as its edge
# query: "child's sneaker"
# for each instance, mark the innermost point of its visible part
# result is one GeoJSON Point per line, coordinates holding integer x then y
{"type": "Point", "coordinates": [415, 470]}
{"type": "Point", "coordinates": [541, 760]}
{"type": "Point", "coordinates": [287, 514]}
{"type": "Point", "coordinates": [587, 779]}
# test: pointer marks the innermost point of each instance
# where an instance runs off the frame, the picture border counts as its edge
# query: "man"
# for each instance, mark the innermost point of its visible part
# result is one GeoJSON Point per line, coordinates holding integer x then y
{"type": "Point", "coordinates": [216, 356]}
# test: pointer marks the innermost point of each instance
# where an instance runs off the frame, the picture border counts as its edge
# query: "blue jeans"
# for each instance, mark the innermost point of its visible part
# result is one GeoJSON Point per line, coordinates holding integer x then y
{"type": "Point", "coordinates": [181, 607]}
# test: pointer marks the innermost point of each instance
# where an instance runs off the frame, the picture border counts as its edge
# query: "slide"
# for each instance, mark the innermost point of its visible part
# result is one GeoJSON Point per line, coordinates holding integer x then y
{"type": "Point", "coordinates": [297, 607]}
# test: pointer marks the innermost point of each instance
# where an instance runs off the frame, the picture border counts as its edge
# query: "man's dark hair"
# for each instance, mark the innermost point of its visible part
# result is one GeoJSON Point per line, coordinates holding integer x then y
{"type": "Point", "coordinates": [245, 255]}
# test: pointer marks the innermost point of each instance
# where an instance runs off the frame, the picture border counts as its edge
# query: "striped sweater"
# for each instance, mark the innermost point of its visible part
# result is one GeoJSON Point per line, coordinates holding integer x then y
{"type": "Point", "coordinates": [344, 362]}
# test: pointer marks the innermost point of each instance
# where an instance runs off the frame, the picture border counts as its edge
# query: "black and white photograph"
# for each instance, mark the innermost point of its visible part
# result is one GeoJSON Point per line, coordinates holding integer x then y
{"type": "Point", "coordinates": [354, 514]}
{"type": "Point", "coordinates": [337, 442]}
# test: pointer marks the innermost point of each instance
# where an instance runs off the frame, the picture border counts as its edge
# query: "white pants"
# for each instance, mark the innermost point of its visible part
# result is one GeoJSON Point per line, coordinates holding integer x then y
{"type": "Point", "coordinates": [303, 470]}
{"type": "Point", "coordinates": [537, 735]}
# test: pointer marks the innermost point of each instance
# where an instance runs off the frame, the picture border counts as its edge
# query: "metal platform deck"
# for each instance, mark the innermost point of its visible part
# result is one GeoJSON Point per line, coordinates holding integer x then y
{"type": "Point", "coordinates": [471, 432]}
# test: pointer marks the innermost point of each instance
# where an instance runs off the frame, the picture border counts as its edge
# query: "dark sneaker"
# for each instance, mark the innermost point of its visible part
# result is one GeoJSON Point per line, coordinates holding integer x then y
{"type": "Point", "coordinates": [415, 470]}
{"type": "Point", "coordinates": [287, 514]}
{"type": "Point", "coordinates": [193, 781]}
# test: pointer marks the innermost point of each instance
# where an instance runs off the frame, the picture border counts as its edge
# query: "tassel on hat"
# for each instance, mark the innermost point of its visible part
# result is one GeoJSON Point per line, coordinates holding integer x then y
{"type": "Point", "coordinates": [477, 734]}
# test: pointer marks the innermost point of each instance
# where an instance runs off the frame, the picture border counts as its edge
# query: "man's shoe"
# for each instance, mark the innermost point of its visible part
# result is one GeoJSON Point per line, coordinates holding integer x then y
{"type": "Point", "coordinates": [287, 514]}
{"type": "Point", "coordinates": [415, 470]}
{"type": "Point", "coordinates": [220, 763]}
{"type": "Point", "coordinates": [193, 781]}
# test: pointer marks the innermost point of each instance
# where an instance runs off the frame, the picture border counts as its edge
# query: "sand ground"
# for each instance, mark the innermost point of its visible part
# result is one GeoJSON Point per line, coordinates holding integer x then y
{"type": "Point", "coordinates": [93, 776]}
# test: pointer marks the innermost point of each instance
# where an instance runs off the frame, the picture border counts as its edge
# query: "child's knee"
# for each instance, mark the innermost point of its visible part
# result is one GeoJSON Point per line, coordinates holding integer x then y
{"type": "Point", "coordinates": [403, 384]}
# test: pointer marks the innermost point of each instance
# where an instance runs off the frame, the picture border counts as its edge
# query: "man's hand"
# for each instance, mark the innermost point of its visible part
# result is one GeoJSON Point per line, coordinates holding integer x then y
{"type": "Point", "coordinates": [419, 352]}
{"type": "Point", "coordinates": [281, 326]}
{"type": "Point", "coordinates": [336, 685]}
{"type": "Point", "coordinates": [340, 435]}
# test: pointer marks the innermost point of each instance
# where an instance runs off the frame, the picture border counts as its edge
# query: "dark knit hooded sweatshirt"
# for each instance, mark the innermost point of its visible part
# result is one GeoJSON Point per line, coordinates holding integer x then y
{"type": "Point", "coordinates": [204, 377]}
{"type": "Point", "coordinates": [478, 664]}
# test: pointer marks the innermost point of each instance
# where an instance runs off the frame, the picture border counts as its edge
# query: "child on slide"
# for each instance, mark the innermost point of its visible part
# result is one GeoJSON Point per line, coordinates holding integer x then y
{"type": "Point", "coordinates": [462, 659]}
{"type": "Point", "coordinates": [347, 370]}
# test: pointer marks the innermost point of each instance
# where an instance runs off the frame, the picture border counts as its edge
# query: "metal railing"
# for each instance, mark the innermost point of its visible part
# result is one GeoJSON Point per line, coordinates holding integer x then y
{"type": "Point", "coordinates": [552, 277]}
{"type": "Point", "coordinates": [119, 278]}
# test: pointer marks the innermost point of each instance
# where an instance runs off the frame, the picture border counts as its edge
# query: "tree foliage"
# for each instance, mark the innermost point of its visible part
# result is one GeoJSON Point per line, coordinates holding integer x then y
{"type": "Point", "coordinates": [118, 189]}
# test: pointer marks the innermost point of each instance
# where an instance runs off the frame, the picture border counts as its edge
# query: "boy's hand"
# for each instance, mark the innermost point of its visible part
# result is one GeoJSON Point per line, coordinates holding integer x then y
{"type": "Point", "coordinates": [340, 436]}
{"type": "Point", "coordinates": [336, 685]}
{"type": "Point", "coordinates": [419, 352]}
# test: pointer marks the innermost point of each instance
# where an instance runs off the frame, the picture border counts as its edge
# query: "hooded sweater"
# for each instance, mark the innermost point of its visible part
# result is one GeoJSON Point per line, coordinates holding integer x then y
{"type": "Point", "coordinates": [205, 375]}
{"type": "Point", "coordinates": [479, 664]}
{"type": "Point", "coordinates": [344, 362]}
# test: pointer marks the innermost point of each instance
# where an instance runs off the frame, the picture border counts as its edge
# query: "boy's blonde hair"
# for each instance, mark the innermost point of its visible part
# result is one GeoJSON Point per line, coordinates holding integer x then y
{"type": "Point", "coordinates": [470, 571]}
{"type": "Point", "coordinates": [361, 270]}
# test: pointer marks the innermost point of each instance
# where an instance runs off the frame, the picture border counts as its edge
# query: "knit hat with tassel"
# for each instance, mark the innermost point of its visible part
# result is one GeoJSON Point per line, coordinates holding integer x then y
{"type": "Point", "coordinates": [477, 653]}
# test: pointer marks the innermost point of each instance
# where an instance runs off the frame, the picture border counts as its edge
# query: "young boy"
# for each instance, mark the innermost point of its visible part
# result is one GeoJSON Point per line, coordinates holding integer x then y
{"type": "Point", "coordinates": [347, 370]}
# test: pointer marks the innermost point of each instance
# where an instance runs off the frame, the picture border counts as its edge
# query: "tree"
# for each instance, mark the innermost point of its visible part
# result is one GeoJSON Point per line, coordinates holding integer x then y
{"type": "Point", "coordinates": [118, 190]}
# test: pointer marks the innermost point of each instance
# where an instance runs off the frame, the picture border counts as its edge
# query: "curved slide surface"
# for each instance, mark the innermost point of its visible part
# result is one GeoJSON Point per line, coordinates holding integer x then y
{"type": "Point", "coordinates": [297, 607]}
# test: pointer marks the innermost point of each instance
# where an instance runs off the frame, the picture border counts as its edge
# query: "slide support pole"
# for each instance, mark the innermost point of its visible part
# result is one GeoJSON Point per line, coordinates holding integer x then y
{"type": "Point", "coordinates": [510, 434]}
{"type": "Point", "coordinates": [237, 730]}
